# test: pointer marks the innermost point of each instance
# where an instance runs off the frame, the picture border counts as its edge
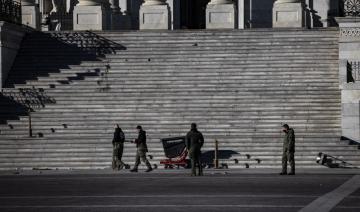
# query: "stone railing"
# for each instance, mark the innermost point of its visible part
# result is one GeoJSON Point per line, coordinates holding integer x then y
{"type": "Point", "coordinates": [10, 11]}
{"type": "Point", "coordinates": [352, 7]}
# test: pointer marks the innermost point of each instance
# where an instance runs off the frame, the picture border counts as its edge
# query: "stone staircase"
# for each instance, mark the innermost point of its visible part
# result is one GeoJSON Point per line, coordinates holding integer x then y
{"type": "Point", "coordinates": [239, 86]}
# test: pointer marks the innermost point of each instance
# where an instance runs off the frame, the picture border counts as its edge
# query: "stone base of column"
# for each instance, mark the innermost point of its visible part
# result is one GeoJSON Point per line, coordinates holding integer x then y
{"type": "Point", "coordinates": [91, 18]}
{"type": "Point", "coordinates": [288, 15]}
{"type": "Point", "coordinates": [31, 16]}
{"type": "Point", "coordinates": [154, 17]}
{"type": "Point", "coordinates": [220, 16]}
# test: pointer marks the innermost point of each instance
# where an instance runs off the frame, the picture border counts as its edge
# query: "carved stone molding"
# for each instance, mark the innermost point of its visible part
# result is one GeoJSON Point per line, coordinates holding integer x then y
{"type": "Point", "coordinates": [352, 7]}
{"type": "Point", "coordinates": [350, 32]}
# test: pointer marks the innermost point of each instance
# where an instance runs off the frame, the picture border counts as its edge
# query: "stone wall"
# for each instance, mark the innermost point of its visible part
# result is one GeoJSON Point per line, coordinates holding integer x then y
{"type": "Point", "coordinates": [349, 55]}
{"type": "Point", "coordinates": [10, 37]}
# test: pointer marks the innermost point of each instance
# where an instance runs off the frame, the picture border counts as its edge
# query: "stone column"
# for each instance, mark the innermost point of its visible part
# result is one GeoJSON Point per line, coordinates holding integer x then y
{"type": "Point", "coordinates": [30, 14]}
{"type": "Point", "coordinates": [174, 7]}
{"type": "Point", "coordinates": [241, 14]}
{"type": "Point", "coordinates": [323, 7]}
{"type": "Point", "coordinates": [114, 5]}
{"type": "Point", "coordinates": [220, 14]}
{"type": "Point", "coordinates": [288, 13]}
{"type": "Point", "coordinates": [91, 15]}
{"type": "Point", "coordinates": [115, 14]}
{"type": "Point", "coordinates": [154, 14]}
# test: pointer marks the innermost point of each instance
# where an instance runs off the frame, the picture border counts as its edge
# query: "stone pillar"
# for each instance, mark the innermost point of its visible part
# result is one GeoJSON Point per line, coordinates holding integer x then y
{"type": "Point", "coordinates": [241, 14]}
{"type": "Point", "coordinates": [30, 14]}
{"type": "Point", "coordinates": [323, 8]}
{"type": "Point", "coordinates": [174, 6]}
{"type": "Point", "coordinates": [154, 14]}
{"type": "Point", "coordinates": [220, 14]}
{"type": "Point", "coordinates": [91, 15]}
{"type": "Point", "coordinates": [115, 14]}
{"type": "Point", "coordinates": [120, 19]}
{"type": "Point", "coordinates": [114, 5]}
{"type": "Point", "coordinates": [288, 13]}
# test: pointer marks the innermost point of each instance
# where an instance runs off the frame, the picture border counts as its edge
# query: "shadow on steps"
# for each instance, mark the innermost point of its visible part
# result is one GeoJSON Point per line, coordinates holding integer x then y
{"type": "Point", "coordinates": [207, 158]}
{"type": "Point", "coordinates": [10, 109]}
{"type": "Point", "coordinates": [16, 103]}
{"type": "Point", "coordinates": [44, 53]}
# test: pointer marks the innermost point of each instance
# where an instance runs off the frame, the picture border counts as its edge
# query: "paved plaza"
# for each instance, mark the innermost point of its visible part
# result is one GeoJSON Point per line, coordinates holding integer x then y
{"type": "Point", "coordinates": [175, 190]}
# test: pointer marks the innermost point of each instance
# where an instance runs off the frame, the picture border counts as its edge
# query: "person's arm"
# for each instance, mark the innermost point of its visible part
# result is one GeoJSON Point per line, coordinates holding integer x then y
{"type": "Point", "coordinates": [187, 141]}
{"type": "Point", "coordinates": [122, 137]}
{"type": "Point", "coordinates": [291, 142]}
{"type": "Point", "coordinates": [201, 140]}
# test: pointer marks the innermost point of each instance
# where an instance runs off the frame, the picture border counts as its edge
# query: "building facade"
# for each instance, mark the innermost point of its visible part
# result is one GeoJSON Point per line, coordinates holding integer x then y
{"type": "Point", "coordinates": [178, 14]}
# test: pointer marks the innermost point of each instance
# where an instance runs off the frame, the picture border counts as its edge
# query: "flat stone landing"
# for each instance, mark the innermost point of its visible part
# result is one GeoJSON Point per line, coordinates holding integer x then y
{"type": "Point", "coordinates": [236, 190]}
{"type": "Point", "coordinates": [181, 171]}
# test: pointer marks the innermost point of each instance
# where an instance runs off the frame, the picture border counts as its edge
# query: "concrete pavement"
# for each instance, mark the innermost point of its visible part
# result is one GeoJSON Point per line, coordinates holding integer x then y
{"type": "Point", "coordinates": [174, 190]}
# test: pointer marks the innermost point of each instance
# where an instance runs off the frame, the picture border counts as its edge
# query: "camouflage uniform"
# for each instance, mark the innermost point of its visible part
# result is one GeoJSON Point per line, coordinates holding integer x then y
{"type": "Point", "coordinates": [194, 142]}
{"type": "Point", "coordinates": [118, 148]}
{"type": "Point", "coordinates": [141, 151]}
{"type": "Point", "coordinates": [288, 151]}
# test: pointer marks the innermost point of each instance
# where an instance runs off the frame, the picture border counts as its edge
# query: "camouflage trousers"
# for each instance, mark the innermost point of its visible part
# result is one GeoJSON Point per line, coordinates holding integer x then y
{"type": "Point", "coordinates": [195, 157]}
{"type": "Point", "coordinates": [117, 163]}
{"type": "Point", "coordinates": [141, 156]}
{"type": "Point", "coordinates": [288, 156]}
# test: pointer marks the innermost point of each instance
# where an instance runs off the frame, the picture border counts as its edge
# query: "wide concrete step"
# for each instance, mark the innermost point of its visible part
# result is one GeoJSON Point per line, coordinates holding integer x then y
{"type": "Point", "coordinates": [118, 43]}
{"type": "Point", "coordinates": [198, 75]}
{"type": "Point", "coordinates": [321, 50]}
{"type": "Point", "coordinates": [237, 130]}
{"type": "Point", "coordinates": [189, 35]}
{"type": "Point", "coordinates": [330, 64]}
{"type": "Point", "coordinates": [188, 80]}
{"type": "Point", "coordinates": [184, 55]}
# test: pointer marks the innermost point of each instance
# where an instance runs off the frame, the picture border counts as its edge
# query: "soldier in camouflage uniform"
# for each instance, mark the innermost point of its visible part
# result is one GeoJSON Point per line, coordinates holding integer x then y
{"type": "Point", "coordinates": [194, 142]}
{"type": "Point", "coordinates": [118, 148]}
{"type": "Point", "coordinates": [288, 150]}
{"type": "Point", "coordinates": [141, 151]}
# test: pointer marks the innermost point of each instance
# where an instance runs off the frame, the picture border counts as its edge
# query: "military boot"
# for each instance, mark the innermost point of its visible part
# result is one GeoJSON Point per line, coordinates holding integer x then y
{"type": "Point", "coordinates": [149, 167]}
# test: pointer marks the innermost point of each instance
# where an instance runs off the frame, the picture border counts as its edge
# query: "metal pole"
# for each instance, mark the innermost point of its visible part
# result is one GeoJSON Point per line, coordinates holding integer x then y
{"type": "Point", "coordinates": [216, 158]}
{"type": "Point", "coordinates": [30, 127]}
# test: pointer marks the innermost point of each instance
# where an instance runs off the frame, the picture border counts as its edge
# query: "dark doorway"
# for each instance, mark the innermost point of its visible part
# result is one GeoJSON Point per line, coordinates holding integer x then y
{"type": "Point", "coordinates": [193, 14]}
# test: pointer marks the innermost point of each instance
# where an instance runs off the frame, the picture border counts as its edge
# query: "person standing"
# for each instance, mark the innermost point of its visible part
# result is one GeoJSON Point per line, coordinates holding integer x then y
{"type": "Point", "coordinates": [288, 150]}
{"type": "Point", "coordinates": [194, 142]}
{"type": "Point", "coordinates": [141, 150]}
{"type": "Point", "coordinates": [118, 148]}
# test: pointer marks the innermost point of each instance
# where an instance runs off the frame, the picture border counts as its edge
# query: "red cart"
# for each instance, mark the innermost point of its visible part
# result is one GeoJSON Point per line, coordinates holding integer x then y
{"type": "Point", "coordinates": [176, 153]}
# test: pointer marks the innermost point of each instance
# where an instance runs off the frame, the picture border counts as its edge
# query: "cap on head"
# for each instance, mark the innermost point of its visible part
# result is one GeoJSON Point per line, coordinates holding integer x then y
{"type": "Point", "coordinates": [139, 127]}
{"type": "Point", "coordinates": [193, 126]}
{"type": "Point", "coordinates": [286, 126]}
